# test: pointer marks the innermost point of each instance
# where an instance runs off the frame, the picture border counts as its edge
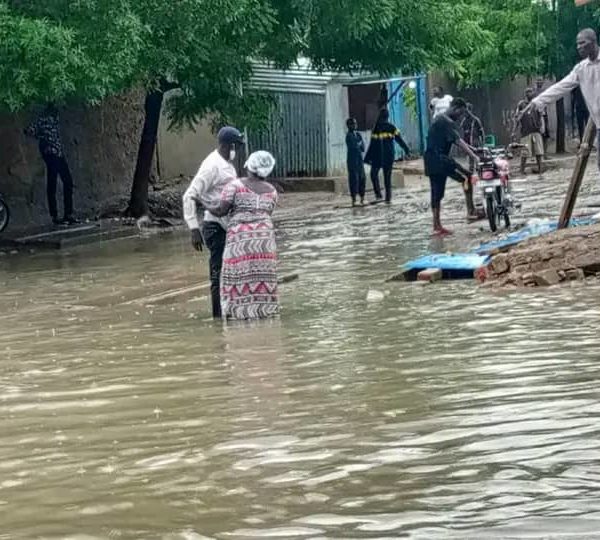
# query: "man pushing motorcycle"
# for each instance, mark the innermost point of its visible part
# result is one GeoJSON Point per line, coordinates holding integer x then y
{"type": "Point", "coordinates": [443, 133]}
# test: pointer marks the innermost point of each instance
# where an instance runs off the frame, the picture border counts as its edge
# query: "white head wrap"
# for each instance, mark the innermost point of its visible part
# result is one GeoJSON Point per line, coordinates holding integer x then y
{"type": "Point", "coordinates": [260, 163]}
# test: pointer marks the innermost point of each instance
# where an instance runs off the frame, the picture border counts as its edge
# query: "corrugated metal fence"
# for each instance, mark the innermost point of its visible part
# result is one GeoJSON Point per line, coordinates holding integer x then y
{"type": "Point", "coordinates": [296, 135]}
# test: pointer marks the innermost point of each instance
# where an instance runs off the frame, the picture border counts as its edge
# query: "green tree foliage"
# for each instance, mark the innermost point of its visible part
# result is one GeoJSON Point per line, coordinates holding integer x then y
{"type": "Point", "coordinates": [203, 50]}
{"type": "Point", "coordinates": [66, 49]}
{"type": "Point", "coordinates": [210, 43]}
{"type": "Point", "coordinates": [524, 37]}
{"type": "Point", "coordinates": [382, 36]}
{"type": "Point", "coordinates": [509, 48]}
{"type": "Point", "coordinates": [535, 38]}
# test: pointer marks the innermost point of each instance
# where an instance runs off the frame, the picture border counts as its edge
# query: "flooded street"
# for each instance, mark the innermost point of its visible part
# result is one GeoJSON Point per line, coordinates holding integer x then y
{"type": "Point", "coordinates": [441, 411]}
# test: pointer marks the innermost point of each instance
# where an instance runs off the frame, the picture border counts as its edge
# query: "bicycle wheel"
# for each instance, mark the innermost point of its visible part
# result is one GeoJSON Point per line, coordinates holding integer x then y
{"type": "Point", "coordinates": [4, 215]}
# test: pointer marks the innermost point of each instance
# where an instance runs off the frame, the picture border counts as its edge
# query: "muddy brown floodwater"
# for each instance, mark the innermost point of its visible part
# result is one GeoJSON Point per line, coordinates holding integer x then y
{"type": "Point", "coordinates": [442, 411]}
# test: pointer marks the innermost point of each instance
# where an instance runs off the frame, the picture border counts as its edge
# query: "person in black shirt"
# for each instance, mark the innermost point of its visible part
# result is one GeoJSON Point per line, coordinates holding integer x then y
{"type": "Point", "coordinates": [356, 167]}
{"type": "Point", "coordinates": [443, 133]}
{"type": "Point", "coordinates": [381, 153]}
{"type": "Point", "coordinates": [46, 129]}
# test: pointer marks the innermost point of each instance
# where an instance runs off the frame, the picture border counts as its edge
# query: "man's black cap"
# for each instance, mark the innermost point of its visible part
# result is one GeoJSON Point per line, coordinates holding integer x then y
{"type": "Point", "coordinates": [230, 135]}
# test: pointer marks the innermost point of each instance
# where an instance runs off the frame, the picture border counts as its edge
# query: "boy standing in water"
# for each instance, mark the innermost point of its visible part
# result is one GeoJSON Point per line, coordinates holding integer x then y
{"type": "Point", "coordinates": [356, 167]}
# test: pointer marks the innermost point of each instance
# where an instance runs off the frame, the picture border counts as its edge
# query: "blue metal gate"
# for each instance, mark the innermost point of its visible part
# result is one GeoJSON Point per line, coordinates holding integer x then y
{"type": "Point", "coordinates": [411, 121]}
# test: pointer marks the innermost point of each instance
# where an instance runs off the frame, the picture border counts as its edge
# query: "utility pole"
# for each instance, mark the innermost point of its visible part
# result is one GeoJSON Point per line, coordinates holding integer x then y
{"type": "Point", "coordinates": [582, 160]}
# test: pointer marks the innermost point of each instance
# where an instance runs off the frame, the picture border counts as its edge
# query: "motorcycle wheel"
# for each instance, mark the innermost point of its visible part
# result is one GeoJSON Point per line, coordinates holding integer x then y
{"type": "Point", "coordinates": [490, 210]}
{"type": "Point", "coordinates": [502, 209]}
{"type": "Point", "coordinates": [4, 215]}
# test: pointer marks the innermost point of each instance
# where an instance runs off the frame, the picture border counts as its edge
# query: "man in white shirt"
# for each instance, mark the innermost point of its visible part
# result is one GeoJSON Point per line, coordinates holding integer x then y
{"type": "Point", "coordinates": [585, 75]}
{"type": "Point", "coordinates": [205, 190]}
{"type": "Point", "coordinates": [440, 103]}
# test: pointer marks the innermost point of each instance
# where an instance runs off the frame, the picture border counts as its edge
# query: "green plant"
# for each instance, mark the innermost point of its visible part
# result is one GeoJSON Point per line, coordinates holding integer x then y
{"type": "Point", "coordinates": [410, 99]}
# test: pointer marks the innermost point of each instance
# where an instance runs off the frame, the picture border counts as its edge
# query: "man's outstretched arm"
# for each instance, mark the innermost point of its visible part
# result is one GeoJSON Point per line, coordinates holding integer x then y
{"type": "Point", "coordinates": [558, 90]}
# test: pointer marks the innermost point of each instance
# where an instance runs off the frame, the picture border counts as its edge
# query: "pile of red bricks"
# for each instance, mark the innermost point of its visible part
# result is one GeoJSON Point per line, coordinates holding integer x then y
{"type": "Point", "coordinates": [567, 255]}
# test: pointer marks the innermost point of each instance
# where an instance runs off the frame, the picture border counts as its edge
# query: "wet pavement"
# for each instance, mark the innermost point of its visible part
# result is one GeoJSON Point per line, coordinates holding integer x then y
{"type": "Point", "coordinates": [441, 411]}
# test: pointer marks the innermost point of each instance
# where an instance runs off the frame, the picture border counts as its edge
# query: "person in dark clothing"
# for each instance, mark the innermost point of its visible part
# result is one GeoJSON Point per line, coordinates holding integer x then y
{"type": "Point", "coordinates": [539, 85]}
{"type": "Point", "coordinates": [472, 128]}
{"type": "Point", "coordinates": [579, 111]}
{"type": "Point", "coordinates": [443, 133]}
{"type": "Point", "coordinates": [474, 135]}
{"type": "Point", "coordinates": [381, 154]}
{"type": "Point", "coordinates": [46, 129]}
{"type": "Point", "coordinates": [356, 166]}
{"type": "Point", "coordinates": [529, 123]}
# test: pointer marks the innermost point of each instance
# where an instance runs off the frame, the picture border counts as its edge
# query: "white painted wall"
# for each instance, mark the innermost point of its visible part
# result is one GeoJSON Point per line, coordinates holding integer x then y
{"type": "Point", "coordinates": [181, 152]}
{"type": "Point", "coordinates": [337, 112]}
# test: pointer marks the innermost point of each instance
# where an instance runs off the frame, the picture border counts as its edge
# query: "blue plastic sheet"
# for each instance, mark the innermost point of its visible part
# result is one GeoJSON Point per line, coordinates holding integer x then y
{"type": "Point", "coordinates": [463, 265]}
{"type": "Point", "coordinates": [453, 266]}
{"type": "Point", "coordinates": [531, 231]}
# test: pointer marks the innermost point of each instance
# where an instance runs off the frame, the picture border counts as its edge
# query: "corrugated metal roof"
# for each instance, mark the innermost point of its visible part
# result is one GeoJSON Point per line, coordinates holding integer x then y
{"type": "Point", "coordinates": [298, 78]}
{"type": "Point", "coordinates": [302, 78]}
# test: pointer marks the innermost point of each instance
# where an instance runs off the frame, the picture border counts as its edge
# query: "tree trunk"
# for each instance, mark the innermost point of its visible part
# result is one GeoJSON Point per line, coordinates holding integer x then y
{"type": "Point", "coordinates": [138, 203]}
{"type": "Point", "coordinates": [491, 128]}
{"type": "Point", "coordinates": [560, 126]}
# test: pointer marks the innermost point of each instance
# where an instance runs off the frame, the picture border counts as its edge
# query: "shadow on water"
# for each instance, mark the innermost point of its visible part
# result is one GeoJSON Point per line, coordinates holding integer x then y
{"type": "Point", "coordinates": [430, 412]}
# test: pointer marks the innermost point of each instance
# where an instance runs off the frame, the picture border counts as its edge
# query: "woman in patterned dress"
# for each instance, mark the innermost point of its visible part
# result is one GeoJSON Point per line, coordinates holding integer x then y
{"type": "Point", "coordinates": [249, 275]}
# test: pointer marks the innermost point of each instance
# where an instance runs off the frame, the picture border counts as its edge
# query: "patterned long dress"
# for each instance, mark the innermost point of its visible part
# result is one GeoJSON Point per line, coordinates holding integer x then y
{"type": "Point", "coordinates": [249, 275]}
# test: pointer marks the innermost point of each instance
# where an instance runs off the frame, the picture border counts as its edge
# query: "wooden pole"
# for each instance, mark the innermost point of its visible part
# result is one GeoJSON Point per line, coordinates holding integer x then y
{"type": "Point", "coordinates": [583, 156]}
{"type": "Point", "coordinates": [182, 293]}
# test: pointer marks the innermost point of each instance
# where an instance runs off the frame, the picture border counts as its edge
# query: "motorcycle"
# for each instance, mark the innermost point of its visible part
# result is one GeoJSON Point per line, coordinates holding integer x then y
{"type": "Point", "coordinates": [4, 214]}
{"type": "Point", "coordinates": [493, 181]}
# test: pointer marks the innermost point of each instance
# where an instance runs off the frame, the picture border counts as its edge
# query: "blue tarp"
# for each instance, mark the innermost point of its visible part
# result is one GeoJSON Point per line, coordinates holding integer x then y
{"type": "Point", "coordinates": [530, 231]}
{"type": "Point", "coordinates": [463, 265]}
{"type": "Point", "coordinates": [453, 266]}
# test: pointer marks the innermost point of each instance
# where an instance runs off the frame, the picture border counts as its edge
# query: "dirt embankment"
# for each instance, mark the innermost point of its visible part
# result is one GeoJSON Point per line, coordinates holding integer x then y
{"type": "Point", "coordinates": [163, 203]}
{"type": "Point", "coordinates": [165, 200]}
{"type": "Point", "coordinates": [568, 255]}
